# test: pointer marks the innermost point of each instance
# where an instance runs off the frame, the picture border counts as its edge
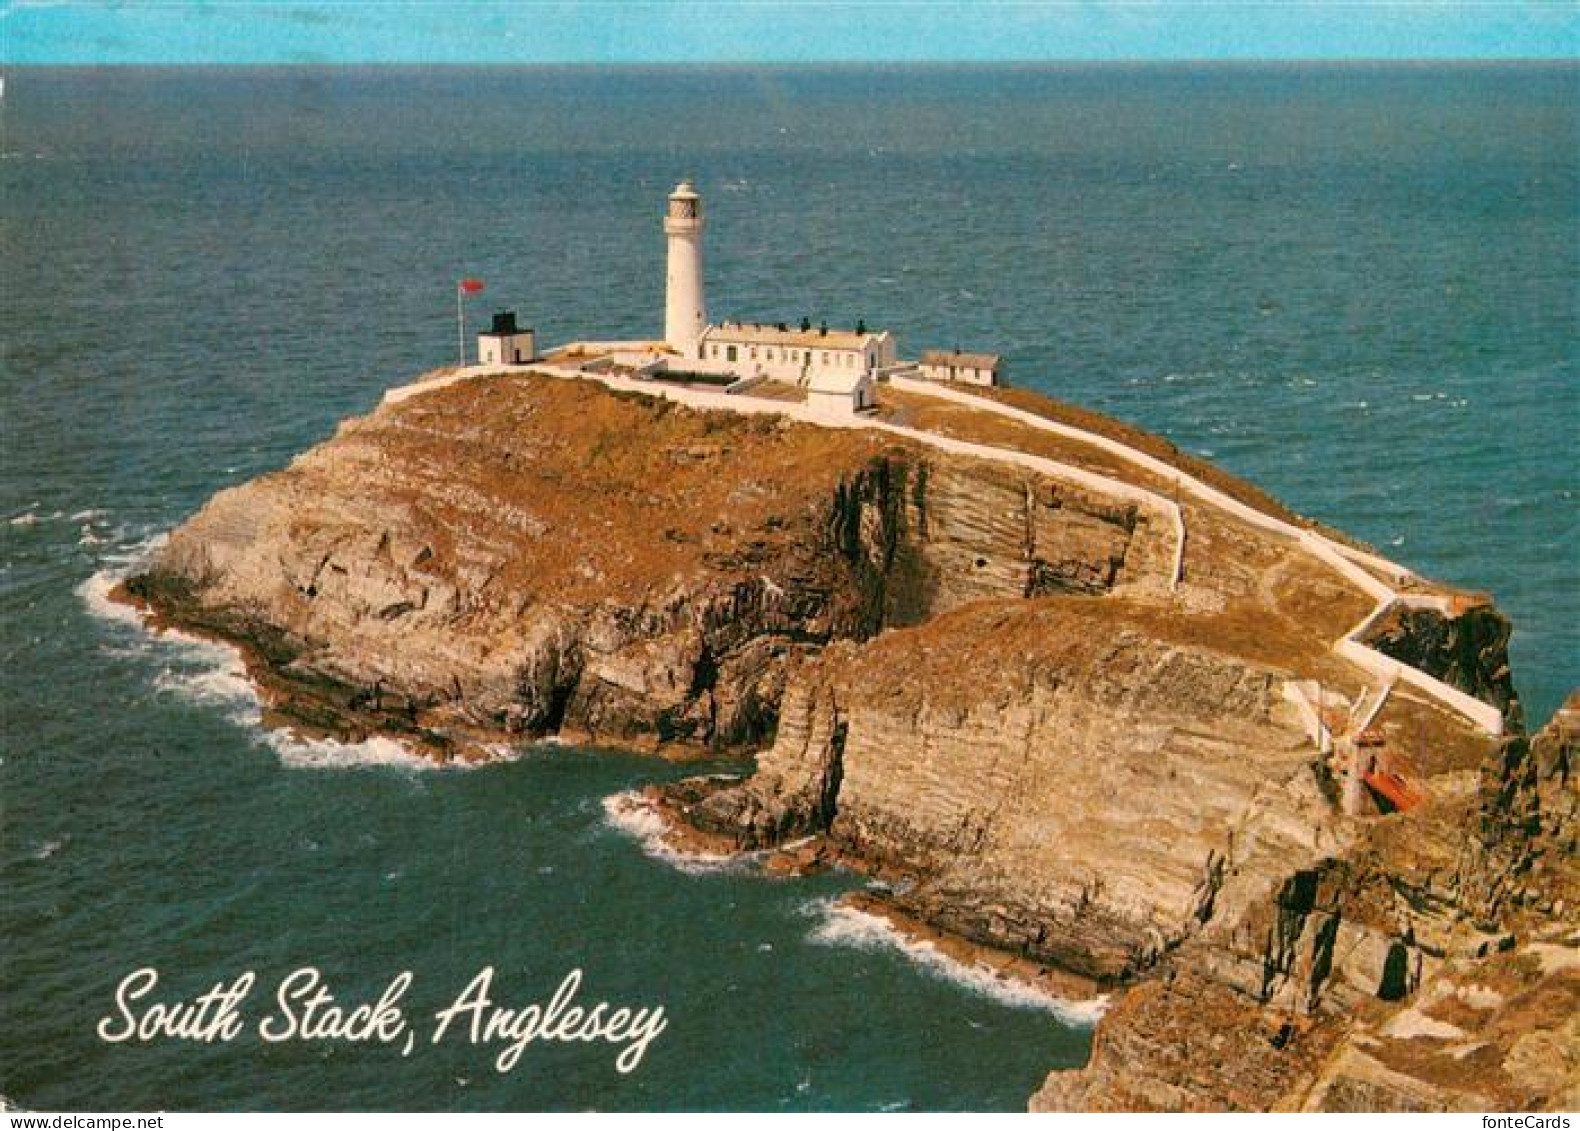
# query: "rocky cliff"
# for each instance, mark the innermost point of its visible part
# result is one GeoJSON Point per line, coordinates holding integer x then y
{"type": "Point", "coordinates": [1468, 915]}
{"type": "Point", "coordinates": [977, 682]}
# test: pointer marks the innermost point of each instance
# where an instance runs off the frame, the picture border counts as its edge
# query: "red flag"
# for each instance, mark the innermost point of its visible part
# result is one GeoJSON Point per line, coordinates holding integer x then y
{"type": "Point", "coordinates": [471, 286]}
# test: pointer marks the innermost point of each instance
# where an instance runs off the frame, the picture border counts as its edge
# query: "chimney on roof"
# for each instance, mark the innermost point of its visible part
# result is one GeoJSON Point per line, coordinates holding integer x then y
{"type": "Point", "coordinates": [861, 325]}
{"type": "Point", "coordinates": [822, 328]}
{"type": "Point", "coordinates": [806, 323]}
{"type": "Point", "coordinates": [783, 328]}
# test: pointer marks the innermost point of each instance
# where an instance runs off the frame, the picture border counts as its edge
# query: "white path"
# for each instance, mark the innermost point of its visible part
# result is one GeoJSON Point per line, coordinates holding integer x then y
{"type": "Point", "coordinates": [1336, 555]}
{"type": "Point", "coordinates": [1341, 558]}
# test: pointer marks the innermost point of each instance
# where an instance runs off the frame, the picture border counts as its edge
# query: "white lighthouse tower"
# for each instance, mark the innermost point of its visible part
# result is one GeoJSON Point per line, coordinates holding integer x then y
{"type": "Point", "coordinates": [685, 314]}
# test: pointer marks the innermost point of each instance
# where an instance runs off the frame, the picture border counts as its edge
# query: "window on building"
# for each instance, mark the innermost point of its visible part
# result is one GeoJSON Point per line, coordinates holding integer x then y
{"type": "Point", "coordinates": [729, 353]}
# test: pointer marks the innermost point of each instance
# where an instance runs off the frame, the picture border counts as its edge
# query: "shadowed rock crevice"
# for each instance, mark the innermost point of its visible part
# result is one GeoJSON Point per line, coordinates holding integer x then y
{"type": "Point", "coordinates": [1468, 651]}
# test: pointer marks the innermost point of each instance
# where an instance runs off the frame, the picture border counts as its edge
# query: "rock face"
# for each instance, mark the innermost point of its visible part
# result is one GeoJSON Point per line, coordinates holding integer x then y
{"type": "Point", "coordinates": [974, 681]}
{"type": "Point", "coordinates": [1469, 651]}
{"type": "Point", "coordinates": [979, 756]}
{"type": "Point", "coordinates": [541, 556]}
{"type": "Point", "coordinates": [1473, 942]}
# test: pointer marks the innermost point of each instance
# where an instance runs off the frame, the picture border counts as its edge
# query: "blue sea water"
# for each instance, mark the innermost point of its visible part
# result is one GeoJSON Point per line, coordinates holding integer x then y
{"type": "Point", "coordinates": [1356, 285]}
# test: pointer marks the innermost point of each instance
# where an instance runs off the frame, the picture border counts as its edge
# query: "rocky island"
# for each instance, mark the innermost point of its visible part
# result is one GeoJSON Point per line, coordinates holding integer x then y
{"type": "Point", "coordinates": [1086, 736]}
{"type": "Point", "coordinates": [1085, 708]}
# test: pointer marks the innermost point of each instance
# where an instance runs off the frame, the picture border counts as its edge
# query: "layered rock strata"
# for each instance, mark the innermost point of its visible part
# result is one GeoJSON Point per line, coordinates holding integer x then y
{"type": "Point", "coordinates": [975, 681]}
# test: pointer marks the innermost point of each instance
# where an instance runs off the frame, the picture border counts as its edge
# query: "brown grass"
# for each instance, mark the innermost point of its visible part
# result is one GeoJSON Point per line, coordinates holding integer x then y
{"type": "Point", "coordinates": [1159, 448]}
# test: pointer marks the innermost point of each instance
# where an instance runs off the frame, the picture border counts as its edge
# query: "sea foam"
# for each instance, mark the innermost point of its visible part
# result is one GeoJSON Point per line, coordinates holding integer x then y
{"type": "Point", "coordinates": [214, 675]}
{"type": "Point", "coordinates": [331, 754]}
{"type": "Point", "coordinates": [637, 817]}
{"type": "Point", "coordinates": [841, 925]}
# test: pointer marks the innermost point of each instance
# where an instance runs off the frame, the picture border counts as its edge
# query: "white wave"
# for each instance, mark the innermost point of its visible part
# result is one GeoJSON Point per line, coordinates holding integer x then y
{"type": "Point", "coordinates": [637, 817]}
{"type": "Point", "coordinates": [842, 925]}
{"type": "Point", "coordinates": [501, 752]}
{"type": "Point", "coordinates": [200, 671]}
{"type": "Point", "coordinates": [49, 848]}
{"type": "Point", "coordinates": [213, 674]}
{"type": "Point", "coordinates": [91, 515]}
{"type": "Point", "coordinates": [32, 517]}
{"type": "Point", "coordinates": [95, 595]}
{"type": "Point", "coordinates": [300, 752]}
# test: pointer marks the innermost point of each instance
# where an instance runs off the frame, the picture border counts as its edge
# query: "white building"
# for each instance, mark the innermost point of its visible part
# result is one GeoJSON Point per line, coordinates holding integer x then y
{"type": "Point", "coordinates": [795, 355]}
{"type": "Point", "coordinates": [952, 365]}
{"type": "Point", "coordinates": [834, 392]}
{"type": "Point", "coordinates": [504, 343]}
{"type": "Point", "coordinates": [685, 312]}
{"type": "Point", "coordinates": [831, 364]}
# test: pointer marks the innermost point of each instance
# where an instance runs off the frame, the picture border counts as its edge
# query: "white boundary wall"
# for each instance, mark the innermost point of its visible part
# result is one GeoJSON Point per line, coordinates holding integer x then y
{"type": "Point", "coordinates": [1297, 693]}
{"type": "Point", "coordinates": [1340, 558]}
{"type": "Point", "coordinates": [1335, 554]}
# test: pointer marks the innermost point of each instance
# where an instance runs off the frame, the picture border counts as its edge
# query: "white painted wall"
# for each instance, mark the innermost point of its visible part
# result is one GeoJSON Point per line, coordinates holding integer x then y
{"type": "Point", "coordinates": [1341, 558]}
{"type": "Point", "coordinates": [506, 349]}
{"type": "Point", "coordinates": [795, 364]}
{"type": "Point", "coordinates": [965, 374]}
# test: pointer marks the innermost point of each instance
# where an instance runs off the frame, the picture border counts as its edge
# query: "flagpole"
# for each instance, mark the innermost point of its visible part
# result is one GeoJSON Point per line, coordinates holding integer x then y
{"type": "Point", "coordinates": [466, 285]}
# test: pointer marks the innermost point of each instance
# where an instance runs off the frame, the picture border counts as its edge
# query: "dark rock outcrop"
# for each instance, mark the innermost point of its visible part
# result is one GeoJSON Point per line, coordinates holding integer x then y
{"type": "Point", "coordinates": [1468, 651]}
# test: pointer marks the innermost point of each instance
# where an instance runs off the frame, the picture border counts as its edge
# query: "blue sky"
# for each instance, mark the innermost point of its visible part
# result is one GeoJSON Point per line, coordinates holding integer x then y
{"type": "Point", "coordinates": [683, 31]}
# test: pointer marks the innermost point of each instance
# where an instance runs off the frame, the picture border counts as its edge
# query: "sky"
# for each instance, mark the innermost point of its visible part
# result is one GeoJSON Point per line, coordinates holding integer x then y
{"type": "Point", "coordinates": [98, 32]}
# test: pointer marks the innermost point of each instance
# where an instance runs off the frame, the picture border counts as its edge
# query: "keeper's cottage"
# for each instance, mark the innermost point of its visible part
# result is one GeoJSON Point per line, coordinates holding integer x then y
{"type": "Point", "coordinates": [835, 368]}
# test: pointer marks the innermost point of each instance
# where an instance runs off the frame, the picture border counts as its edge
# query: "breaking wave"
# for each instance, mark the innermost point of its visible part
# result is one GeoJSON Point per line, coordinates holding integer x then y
{"type": "Point", "coordinates": [214, 675]}
{"type": "Point", "coordinates": [631, 813]}
{"type": "Point", "coordinates": [331, 754]}
{"type": "Point", "coordinates": [842, 925]}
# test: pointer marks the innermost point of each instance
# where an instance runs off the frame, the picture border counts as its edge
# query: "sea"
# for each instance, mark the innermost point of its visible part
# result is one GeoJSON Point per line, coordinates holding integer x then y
{"type": "Point", "coordinates": [1357, 285]}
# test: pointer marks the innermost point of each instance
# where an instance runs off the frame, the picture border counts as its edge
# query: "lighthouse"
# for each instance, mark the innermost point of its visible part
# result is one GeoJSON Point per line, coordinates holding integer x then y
{"type": "Point", "coordinates": [685, 314]}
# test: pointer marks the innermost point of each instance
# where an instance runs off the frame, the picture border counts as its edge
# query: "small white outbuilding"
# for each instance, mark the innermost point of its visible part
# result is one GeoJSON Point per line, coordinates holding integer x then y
{"type": "Point", "coordinates": [970, 368]}
{"type": "Point", "coordinates": [505, 343]}
{"type": "Point", "coordinates": [841, 392]}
